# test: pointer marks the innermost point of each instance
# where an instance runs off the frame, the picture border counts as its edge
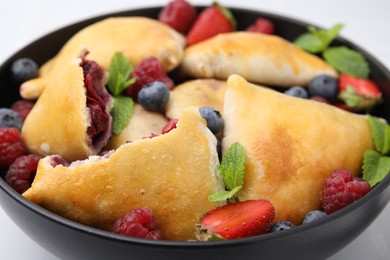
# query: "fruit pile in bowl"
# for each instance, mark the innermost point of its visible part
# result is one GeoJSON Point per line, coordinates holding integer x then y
{"type": "Point", "coordinates": [223, 132]}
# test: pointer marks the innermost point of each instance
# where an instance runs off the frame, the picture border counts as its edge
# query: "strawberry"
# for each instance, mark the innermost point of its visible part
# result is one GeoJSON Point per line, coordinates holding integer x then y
{"type": "Point", "coordinates": [358, 93]}
{"type": "Point", "coordinates": [211, 21]}
{"type": "Point", "coordinates": [261, 25]}
{"type": "Point", "coordinates": [178, 14]}
{"type": "Point", "coordinates": [236, 220]}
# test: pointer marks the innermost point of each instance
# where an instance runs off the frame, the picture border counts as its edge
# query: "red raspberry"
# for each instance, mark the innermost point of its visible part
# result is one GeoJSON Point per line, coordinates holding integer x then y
{"type": "Point", "coordinates": [178, 14]}
{"type": "Point", "coordinates": [22, 172]}
{"type": "Point", "coordinates": [139, 222]}
{"type": "Point", "coordinates": [147, 71]}
{"type": "Point", "coordinates": [11, 146]}
{"type": "Point", "coordinates": [262, 25]}
{"type": "Point", "coordinates": [341, 189]}
{"type": "Point", "coordinates": [22, 107]}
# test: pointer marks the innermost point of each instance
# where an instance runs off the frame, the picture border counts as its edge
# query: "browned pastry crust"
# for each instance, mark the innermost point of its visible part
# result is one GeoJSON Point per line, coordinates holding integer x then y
{"type": "Point", "coordinates": [259, 58]}
{"type": "Point", "coordinates": [292, 145]}
{"type": "Point", "coordinates": [172, 174]}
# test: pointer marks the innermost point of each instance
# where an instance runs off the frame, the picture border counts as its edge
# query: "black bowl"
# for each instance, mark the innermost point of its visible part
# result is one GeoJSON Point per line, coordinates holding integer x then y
{"type": "Point", "coordinates": [70, 240]}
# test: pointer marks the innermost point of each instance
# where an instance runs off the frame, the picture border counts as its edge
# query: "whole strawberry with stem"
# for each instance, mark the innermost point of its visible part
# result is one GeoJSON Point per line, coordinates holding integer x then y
{"type": "Point", "coordinates": [211, 21]}
{"type": "Point", "coordinates": [358, 94]}
{"type": "Point", "coordinates": [341, 189]}
{"type": "Point", "coordinates": [236, 220]}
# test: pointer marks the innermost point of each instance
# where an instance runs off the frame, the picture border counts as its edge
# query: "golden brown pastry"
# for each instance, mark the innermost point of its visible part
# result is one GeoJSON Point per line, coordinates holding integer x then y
{"type": "Point", "coordinates": [71, 118]}
{"type": "Point", "coordinates": [199, 92]}
{"type": "Point", "coordinates": [143, 123]}
{"type": "Point", "coordinates": [172, 174]}
{"type": "Point", "coordinates": [135, 37]}
{"type": "Point", "coordinates": [259, 58]}
{"type": "Point", "coordinates": [292, 145]}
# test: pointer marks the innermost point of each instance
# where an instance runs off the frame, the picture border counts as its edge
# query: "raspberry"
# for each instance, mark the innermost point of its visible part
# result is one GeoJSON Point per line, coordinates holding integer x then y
{"type": "Point", "coordinates": [178, 14]}
{"type": "Point", "coordinates": [11, 146]}
{"type": "Point", "coordinates": [22, 172]}
{"type": "Point", "coordinates": [22, 107]}
{"type": "Point", "coordinates": [147, 71]}
{"type": "Point", "coordinates": [261, 25]}
{"type": "Point", "coordinates": [139, 222]}
{"type": "Point", "coordinates": [341, 189]}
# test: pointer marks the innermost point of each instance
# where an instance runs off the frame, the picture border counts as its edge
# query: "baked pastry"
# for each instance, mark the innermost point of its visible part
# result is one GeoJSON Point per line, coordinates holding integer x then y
{"type": "Point", "coordinates": [142, 124]}
{"type": "Point", "coordinates": [72, 116]}
{"type": "Point", "coordinates": [172, 174]}
{"type": "Point", "coordinates": [198, 92]}
{"type": "Point", "coordinates": [259, 58]}
{"type": "Point", "coordinates": [135, 37]}
{"type": "Point", "coordinates": [292, 145]}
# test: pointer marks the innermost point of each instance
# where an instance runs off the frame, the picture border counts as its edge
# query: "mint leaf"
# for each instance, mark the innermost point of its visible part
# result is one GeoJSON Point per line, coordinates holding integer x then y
{"type": "Point", "coordinates": [375, 167]}
{"type": "Point", "coordinates": [120, 70]}
{"type": "Point", "coordinates": [232, 166]}
{"type": "Point", "coordinates": [224, 195]}
{"type": "Point", "coordinates": [348, 61]}
{"type": "Point", "coordinates": [380, 133]}
{"type": "Point", "coordinates": [318, 40]}
{"type": "Point", "coordinates": [121, 113]}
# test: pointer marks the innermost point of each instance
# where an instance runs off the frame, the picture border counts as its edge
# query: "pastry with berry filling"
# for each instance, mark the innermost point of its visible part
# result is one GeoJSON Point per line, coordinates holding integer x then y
{"type": "Point", "coordinates": [71, 118]}
{"type": "Point", "coordinates": [198, 92]}
{"type": "Point", "coordinates": [135, 37]}
{"type": "Point", "coordinates": [259, 58]}
{"type": "Point", "coordinates": [172, 174]}
{"type": "Point", "coordinates": [292, 145]}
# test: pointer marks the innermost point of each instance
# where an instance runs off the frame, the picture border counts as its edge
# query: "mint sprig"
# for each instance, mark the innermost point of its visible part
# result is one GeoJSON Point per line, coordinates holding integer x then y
{"type": "Point", "coordinates": [346, 60]}
{"type": "Point", "coordinates": [121, 113]}
{"type": "Point", "coordinates": [318, 40]}
{"type": "Point", "coordinates": [376, 163]}
{"type": "Point", "coordinates": [120, 70]}
{"type": "Point", "coordinates": [232, 170]}
{"type": "Point", "coordinates": [341, 58]}
{"type": "Point", "coordinates": [119, 79]}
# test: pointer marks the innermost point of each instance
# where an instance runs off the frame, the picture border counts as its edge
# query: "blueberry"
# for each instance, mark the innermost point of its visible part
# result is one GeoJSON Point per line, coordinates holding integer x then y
{"type": "Point", "coordinates": [324, 86]}
{"type": "Point", "coordinates": [154, 96]}
{"type": "Point", "coordinates": [10, 119]}
{"type": "Point", "coordinates": [24, 69]}
{"type": "Point", "coordinates": [313, 215]}
{"type": "Point", "coordinates": [281, 225]}
{"type": "Point", "coordinates": [297, 91]}
{"type": "Point", "coordinates": [213, 118]}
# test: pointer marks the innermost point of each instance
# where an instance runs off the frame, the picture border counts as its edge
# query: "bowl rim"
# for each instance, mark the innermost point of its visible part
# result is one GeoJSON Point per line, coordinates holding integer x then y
{"type": "Point", "coordinates": [328, 220]}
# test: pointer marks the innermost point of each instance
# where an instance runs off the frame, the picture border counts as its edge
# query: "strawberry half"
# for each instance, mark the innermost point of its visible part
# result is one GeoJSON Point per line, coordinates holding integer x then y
{"type": "Point", "coordinates": [236, 220]}
{"type": "Point", "coordinates": [211, 21]}
{"type": "Point", "coordinates": [357, 93]}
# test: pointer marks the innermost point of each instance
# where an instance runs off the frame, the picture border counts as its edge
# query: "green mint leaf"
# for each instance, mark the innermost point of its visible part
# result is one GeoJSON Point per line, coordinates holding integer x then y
{"type": "Point", "coordinates": [318, 40]}
{"type": "Point", "coordinates": [310, 43]}
{"type": "Point", "coordinates": [232, 166]}
{"type": "Point", "coordinates": [119, 73]}
{"type": "Point", "coordinates": [347, 60]}
{"type": "Point", "coordinates": [224, 195]}
{"type": "Point", "coordinates": [375, 167]}
{"type": "Point", "coordinates": [380, 133]}
{"type": "Point", "coordinates": [121, 113]}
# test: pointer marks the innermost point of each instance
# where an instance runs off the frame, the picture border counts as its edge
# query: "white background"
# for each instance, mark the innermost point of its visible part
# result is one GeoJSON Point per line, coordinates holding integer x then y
{"type": "Point", "coordinates": [366, 23]}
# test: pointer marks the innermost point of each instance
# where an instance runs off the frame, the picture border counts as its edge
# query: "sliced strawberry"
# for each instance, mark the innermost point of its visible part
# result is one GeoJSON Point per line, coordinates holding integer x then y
{"type": "Point", "coordinates": [261, 25]}
{"type": "Point", "coordinates": [357, 93]}
{"type": "Point", "coordinates": [210, 22]}
{"type": "Point", "coordinates": [178, 14]}
{"type": "Point", "coordinates": [237, 220]}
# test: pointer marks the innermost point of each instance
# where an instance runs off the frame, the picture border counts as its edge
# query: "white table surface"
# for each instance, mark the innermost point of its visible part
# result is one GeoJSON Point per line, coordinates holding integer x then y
{"type": "Point", "coordinates": [366, 23]}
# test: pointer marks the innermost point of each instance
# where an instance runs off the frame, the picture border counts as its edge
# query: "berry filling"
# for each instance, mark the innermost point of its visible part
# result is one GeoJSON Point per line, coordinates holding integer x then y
{"type": "Point", "coordinates": [97, 99]}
